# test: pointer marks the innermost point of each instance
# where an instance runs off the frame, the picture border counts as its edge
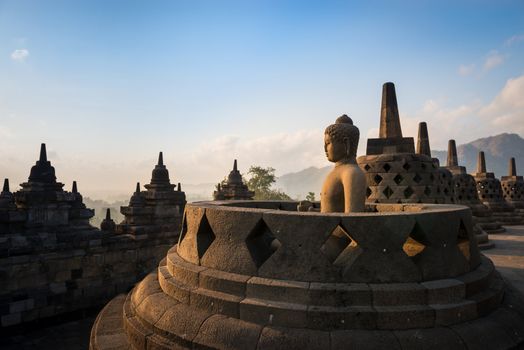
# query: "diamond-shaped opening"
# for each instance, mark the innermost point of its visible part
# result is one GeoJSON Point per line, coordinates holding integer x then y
{"type": "Point", "coordinates": [398, 179]}
{"type": "Point", "coordinates": [406, 166]}
{"type": "Point", "coordinates": [408, 192]}
{"type": "Point", "coordinates": [417, 178]}
{"type": "Point", "coordinates": [183, 231]}
{"type": "Point", "coordinates": [427, 191]}
{"type": "Point", "coordinates": [368, 192]}
{"type": "Point", "coordinates": [367, 167]}
{"type": "Point", "coordinates": [415, 243]}
{"type": "Point", "coordinates": [261, 243]}
{"type": "Point", "coordinates": [463, 240]}
{"type": "Point", "coordinates": [204, 237]}
{"type": "Point", "coordinates": [387, 167]}
{"type": "Point", "coordinates": [387, 192]}
{"type": "Point", "coordinates": [377, 178]}
{"type": "Point", "coordinates": [337, 242]}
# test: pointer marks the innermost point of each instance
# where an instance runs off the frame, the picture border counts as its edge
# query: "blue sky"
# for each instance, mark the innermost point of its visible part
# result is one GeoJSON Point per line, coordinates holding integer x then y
{"type": "Point", "coordinates": [108, 84]}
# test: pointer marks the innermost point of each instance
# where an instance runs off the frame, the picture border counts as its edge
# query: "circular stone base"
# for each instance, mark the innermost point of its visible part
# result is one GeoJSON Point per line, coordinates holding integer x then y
{"type": "Point", "coordinates": [486, 246]}
{"type": "Point", "coordinates": [180, 327]}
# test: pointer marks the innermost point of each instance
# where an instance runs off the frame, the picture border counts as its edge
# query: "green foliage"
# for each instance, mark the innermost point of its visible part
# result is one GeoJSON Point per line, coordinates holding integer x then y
{"type": "Point", "coordinates": [310, 196]}
{"type": "Point", "coordinates": [261, 180]}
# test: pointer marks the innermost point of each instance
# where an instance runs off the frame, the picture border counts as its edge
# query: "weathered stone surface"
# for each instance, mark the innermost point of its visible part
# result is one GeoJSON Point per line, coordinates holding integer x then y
{"type": "Point", "coordinates": [364, 340]}
{"type": "Point", "coordinates": [433, 338]}
{"type": "Point", "coordinates": [225, 333]}
{"type": "Point", "coordinates": [281, 338]}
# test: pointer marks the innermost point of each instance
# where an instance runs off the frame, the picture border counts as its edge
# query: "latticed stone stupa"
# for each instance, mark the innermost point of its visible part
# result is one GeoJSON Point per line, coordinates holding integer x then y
{"type": "Point", "coordinates": [489, 191]}
{"type": "Point", "coordinates": [465, 193]}
{"type": "Point", "coordinates": [394, 172]}
{"type": "Point", "coordinates": [513, 188]}
{"type": "Point", "coordinates": [262, 275]}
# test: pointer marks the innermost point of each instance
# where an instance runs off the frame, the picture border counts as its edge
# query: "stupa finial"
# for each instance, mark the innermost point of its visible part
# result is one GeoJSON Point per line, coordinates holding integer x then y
{"type": "Point", "coordinates": [481, 163]}
{"type": "Point", "coordinates": [389, 117]}
{"type": "Point", "coordinates": [179, 187]}
{"type": "Point", "coordinates": [235, 168]}
{"type": "Point", "coordinates": [108, 214]}
{"type": "Point", "coordinates": [452, 153]}
{"type": "Point", "coordinates": [6, 185]}
{"type": "Point", "coordinates": [74, 189]}
{"type": "Point", "coordinates": [423, 140]}
{"type": "Point", "coordinates": [43, 153]}
{"type": "Point", "coordinates": [512, 168]}
{"type": "Point", "coordinates": [160, 159]}
{"type": "Point", "coordinates": [137, 187]}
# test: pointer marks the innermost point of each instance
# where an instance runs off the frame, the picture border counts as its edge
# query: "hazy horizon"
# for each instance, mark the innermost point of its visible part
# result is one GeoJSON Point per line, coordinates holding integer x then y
{"type": "Point", "coordinates": [108, 84]}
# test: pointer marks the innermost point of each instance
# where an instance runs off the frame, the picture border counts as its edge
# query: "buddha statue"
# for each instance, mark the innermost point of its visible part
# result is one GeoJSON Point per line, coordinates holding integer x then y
{"type": "Point", "coordinates": [344, 189]}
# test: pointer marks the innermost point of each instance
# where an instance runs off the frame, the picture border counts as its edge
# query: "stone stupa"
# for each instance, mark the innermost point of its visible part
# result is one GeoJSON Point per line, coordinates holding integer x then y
{"type": "Point", "coordinates": [489, 192]}
{"type": "Point", "coordinates": [395, 173]}
{"type": "Point", "coordinates": [250, 274]}
{"type": "Point", "coordinates": [158, 210]}
{"type": "Point", "coordinates": [513, 188]}
{"type": "Point", "coordinates": [465, 193]}
{"type": "Point", "coordinates": [233, 187]}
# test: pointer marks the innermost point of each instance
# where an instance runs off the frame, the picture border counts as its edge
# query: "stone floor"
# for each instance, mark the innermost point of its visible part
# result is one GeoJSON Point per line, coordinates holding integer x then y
{"type": "Point", "coordinates": [508, 256]}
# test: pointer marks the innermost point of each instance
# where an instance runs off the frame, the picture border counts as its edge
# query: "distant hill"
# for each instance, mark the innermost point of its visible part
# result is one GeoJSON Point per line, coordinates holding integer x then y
{"type": "Point", "coordinates": [297, 185]}
{"type": "Point", "coordinates": [498, 150]}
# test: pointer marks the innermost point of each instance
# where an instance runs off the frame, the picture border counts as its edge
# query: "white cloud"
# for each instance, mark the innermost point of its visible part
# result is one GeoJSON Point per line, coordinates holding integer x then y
{"type": "Point", "coordinates": [465, 70]}
{"type": "Point", "coordinates": [504, 113]}
{"type": "Point", "coordinates": [514, 39]}
{"type": "Point", "coordinates": [19, 55]}
{"type": "Point", "coordinates": [493, 59]}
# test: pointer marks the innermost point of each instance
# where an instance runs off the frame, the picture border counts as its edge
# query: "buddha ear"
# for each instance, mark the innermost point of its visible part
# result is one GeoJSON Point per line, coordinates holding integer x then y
{"type": "Point", "coordinates": [348, 146]}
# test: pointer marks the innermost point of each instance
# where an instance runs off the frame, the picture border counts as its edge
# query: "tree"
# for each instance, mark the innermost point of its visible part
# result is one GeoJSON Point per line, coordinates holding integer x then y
{"type": "Point", "coordinates": [261, 180]}
{"type": "Point", "coordinates": [310, 196]}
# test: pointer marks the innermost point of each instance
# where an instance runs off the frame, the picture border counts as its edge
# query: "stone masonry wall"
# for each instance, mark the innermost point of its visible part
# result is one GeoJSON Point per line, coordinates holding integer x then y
{"type": "Point", "coordinates": [47, 274]}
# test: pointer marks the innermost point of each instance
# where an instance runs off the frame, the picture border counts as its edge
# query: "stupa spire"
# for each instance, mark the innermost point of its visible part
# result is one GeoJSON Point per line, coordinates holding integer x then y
{"type": "Point", "coordinates": [6, 185]}
{"type": "Point", "coordinates": [389, 117]}
{"type": "Point", "coordinates": [512, 167]}
{"type": "Point", "coordinates": [235, 168]}
{"type": "Point", "coordinates": [423, 140]}
{"type": "Point", "coordinates": [452, 153]}
{"type": "Point", "coordinates": [179, 188]}
{"type": "Point", "coordinates": [481, 163]}
{"type": "Point", "coordinates": [43, 153]}
{"type": "Point", "coordinates": [137, 188]}
{"type": "Point", "coordinates": [108, 214]}
{"type": "Point", "coordinates": [160, 159]}
{"type": "Point", "coordinates": [74, 189]}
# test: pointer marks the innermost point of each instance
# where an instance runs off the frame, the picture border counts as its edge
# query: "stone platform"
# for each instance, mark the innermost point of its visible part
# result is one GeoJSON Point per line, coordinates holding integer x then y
{"type": "Point", "coordinates": [385, 289]}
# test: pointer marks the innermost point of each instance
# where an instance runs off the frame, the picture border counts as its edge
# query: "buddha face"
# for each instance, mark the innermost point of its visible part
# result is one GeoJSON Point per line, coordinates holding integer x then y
{"type": "Point", "coordinates": [335, 150]}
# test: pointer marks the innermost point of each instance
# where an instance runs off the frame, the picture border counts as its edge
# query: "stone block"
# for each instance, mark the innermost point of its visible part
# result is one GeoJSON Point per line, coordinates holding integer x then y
{"type": "Point", "coordinates": [444, 291]}
{"type": "Point", "coordinates": [398, 294]}
{"type": "Point", "coordinates": [277, 290]}
{"type": "Point", "coordinates": [148, 286]}
{"type": "Point", "coordinates": [404, 317]}
{"type": "Point", "coordinates": [484, 333]}
{"type": "Point", "coordinates": [182, 270]}
{"type": "Point", "coordinates": [215, 302]}
{"type": "Point", "coordinates": [222, 332]}
{"type": "Point", "coordinates": [448, 314]}
{"type": "Point", "coordinates": [223, 282]}
{"type": "Point", "coordinates": [339, 294]}
{"type": "Point", "coordinates": [273, 313]}
{"type": "Point", "coordinates": [333, 317]}
{"type": "Point", "coordinates": [430, 339]}
{"type": "Point", "coordinates": [182, 321]}
{"type": "Point", "coordinates": [364, 340]}
{"type": "Point", "coordinates": [11, 319]}
{"type": "Point", "coordinates": [276, 338]}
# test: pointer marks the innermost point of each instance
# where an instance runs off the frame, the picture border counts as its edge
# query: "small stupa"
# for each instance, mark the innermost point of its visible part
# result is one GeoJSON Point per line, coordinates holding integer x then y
{"type": "Point", "coordinates": [108, 225]}
{"type": "Point", "coordinates": [45, 201]}
{"type": "Point", "coordinates": [233, 187]}
{"type": "Point", "coordinates": [489, 191]}
{"type": "Point", "coordinates": [157, 210]}
{"type": "Point", "coordinates": [513, 187]}
{"type": "Point", "coordinates": [465, 193]}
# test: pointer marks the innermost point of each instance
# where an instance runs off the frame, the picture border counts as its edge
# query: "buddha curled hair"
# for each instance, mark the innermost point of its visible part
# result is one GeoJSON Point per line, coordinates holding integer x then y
{"type": "Point", "coordinates": [342, 129]}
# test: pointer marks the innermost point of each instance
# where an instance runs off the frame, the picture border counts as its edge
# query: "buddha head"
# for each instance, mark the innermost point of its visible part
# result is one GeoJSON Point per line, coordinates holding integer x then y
{"type": "Point", "coordinates": [341, 140]}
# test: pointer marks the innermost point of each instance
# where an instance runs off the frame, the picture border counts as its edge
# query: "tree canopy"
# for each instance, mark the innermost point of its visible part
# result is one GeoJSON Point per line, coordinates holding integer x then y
{"type": "Point", "coordinates": [261, 181]}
